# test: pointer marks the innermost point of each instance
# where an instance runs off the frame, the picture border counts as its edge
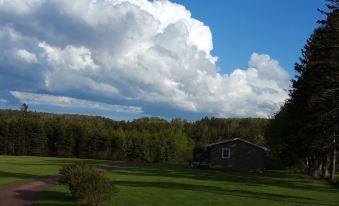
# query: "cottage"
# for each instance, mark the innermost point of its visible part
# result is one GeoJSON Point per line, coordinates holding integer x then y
{"type": "Point", "coordinates": [236, 154]}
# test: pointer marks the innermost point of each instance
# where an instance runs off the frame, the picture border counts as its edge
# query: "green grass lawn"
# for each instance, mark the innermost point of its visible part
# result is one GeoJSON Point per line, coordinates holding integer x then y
{"type": "Point", "coordinates": [160, 184]}
{"type": "Point", "coordinates": [16, 168]}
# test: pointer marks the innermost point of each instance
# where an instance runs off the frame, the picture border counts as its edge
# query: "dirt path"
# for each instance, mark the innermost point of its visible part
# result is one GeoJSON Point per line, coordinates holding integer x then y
{"type": "Point", "coordinates": [24, 193]}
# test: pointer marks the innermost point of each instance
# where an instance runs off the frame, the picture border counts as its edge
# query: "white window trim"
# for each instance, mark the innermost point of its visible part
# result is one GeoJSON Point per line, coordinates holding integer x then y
{"type": "Point", "coordinates": [223, 151]}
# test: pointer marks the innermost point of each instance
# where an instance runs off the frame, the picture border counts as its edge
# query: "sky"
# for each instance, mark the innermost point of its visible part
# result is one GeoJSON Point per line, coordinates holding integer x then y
{"type": "Point", "coordinates": [277, 28]}
{"type": "Point", "coordinates": [127, 59]}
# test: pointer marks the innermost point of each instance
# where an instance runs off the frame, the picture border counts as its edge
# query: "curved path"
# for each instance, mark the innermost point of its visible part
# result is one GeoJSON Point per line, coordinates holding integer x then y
{"type": "Point", "coordinates": [24, 193]}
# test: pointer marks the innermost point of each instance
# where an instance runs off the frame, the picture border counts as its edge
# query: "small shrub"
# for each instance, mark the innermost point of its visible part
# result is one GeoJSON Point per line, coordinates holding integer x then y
{"type": "Point", "coordinates": [85, 184]}
{"type": "Point", "coordinates": [95, 190]}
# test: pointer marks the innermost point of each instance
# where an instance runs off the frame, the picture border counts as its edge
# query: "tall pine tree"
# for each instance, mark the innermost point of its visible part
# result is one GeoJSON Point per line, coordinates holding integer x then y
{"type": "Point", "coordinates": [311, 114]}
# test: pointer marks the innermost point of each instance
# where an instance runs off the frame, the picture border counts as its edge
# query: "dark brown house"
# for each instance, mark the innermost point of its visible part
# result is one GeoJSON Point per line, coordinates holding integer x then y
{"type": "Point", "coordinates": [236, 154]}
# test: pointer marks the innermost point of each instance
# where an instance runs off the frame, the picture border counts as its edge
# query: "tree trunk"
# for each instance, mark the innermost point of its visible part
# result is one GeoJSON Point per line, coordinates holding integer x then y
{"type": "Point", "coordinates": [323, 166]}
{"type": "Point", "coordinates": [334, 153]}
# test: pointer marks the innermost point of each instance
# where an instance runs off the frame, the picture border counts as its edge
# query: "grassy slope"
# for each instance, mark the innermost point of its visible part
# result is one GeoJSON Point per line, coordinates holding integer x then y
{"type": "Point", "coordinates": [180, 185]}
{"type": "Point", "coordinates": [16, 168]}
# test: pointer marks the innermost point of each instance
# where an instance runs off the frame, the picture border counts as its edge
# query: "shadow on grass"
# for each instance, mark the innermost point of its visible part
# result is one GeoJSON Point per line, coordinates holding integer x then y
{"type": "Point", "coordinates": [18, 175]}
{"type": "Point", "coordinates": [55, 198]}
{"type": "Point", "coordinates": [63, 161]}
{"type": "Point", "coordinates": [54, 165]}
{"type": "Point", "coordinates": [273, 178]}
{"type": "Point", "coordinates": [222, 191]}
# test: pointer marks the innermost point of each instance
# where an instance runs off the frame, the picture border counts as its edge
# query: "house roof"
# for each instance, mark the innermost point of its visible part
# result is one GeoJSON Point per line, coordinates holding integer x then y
{"type": "Point", "coordinates": [238, 139]}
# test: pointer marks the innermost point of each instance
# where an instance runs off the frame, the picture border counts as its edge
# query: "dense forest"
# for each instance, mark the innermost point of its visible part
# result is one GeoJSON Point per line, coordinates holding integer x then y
{"type": "Point", "coordinates": [147, 139]}
{"type": "Point", "coordinates": [305, 131]}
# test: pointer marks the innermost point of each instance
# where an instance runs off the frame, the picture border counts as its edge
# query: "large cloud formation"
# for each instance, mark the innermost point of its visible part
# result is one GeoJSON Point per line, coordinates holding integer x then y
{"type": "Point", "coordinates": [130, 52]}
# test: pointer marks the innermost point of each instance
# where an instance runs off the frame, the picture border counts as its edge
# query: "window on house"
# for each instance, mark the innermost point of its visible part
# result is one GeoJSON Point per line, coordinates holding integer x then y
{"type": "Point", "coordinates": [226, 153]}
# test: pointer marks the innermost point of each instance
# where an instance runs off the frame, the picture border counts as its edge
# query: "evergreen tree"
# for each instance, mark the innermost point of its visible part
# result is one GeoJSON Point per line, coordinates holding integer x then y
{"type": "Point", "coordinates": [38, 144]}
{"type": "Point", "coordinates": [146, 139]}
{"type": "Point", "coordinates": [308, 119]}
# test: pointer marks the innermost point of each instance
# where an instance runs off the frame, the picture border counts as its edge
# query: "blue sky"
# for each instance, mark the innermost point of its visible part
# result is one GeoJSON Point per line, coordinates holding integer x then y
{"type": "Point", "coordinates": [126, 59]}
{"type": "Point", "coordinates": [279, 28]}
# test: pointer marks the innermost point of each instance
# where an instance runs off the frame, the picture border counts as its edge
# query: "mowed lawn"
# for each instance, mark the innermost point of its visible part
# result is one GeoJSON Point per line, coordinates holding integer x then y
{"type": "Point", "coordinates": [165, 184]}
{"type": "Point", "coordinates": [17, 168]}
{"type": "Point", "coordinates": [161, 184]}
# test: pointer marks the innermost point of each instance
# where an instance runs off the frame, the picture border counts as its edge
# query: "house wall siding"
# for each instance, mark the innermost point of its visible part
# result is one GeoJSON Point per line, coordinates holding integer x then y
{"type": "Point", "coordinates": [244, 157]}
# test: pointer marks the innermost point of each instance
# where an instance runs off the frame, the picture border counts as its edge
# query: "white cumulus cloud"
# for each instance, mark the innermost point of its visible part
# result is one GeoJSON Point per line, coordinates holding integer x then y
{"type": "Point", "coordinates": [146, 53]}
{"type": "Point", "coordinates": [70, 57]}
{"type": "Point", "coordinates": [26, 56]}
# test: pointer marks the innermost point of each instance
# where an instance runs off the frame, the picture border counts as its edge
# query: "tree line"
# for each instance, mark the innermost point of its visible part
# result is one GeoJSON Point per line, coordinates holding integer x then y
{"type": "Point", "coordinates": [305, 131]}
{"type": "Point", "coordinates": [146, 139]}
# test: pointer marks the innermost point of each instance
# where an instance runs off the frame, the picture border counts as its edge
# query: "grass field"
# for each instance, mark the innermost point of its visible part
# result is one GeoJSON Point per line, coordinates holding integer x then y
{"type": "Point", "coordinates": [16, 168]}
{"type": "Point", "coordinates": [161, 184]}
{"type": "Point", "coordinates": [180, 185]}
